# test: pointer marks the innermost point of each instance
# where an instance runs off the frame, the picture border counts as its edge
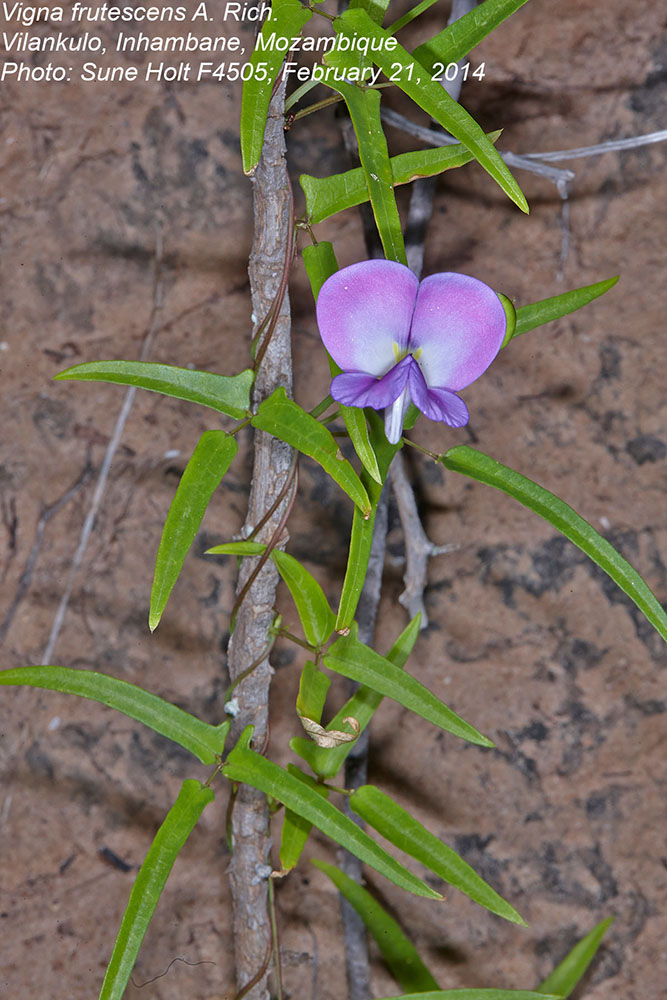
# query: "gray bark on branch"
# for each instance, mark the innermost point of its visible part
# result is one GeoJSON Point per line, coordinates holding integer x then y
{"type": "Point", "coordinates": [250, 819]}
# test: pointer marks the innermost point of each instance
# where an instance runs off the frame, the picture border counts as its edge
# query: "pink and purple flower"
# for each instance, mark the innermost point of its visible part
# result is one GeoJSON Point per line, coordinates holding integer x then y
{"type": "Point", "coordinates": [399, 340]}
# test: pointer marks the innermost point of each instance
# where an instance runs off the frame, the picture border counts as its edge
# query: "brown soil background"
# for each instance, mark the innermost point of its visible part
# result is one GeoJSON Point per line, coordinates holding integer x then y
{"type": "Point", "coordinates": [528, 640]}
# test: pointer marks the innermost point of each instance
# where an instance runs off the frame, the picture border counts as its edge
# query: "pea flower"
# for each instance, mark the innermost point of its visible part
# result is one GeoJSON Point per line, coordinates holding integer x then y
{"type": "Point", "coordinates": [399, 340]}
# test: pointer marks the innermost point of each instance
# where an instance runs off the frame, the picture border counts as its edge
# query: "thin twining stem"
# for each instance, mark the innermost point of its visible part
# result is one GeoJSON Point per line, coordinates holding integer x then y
{"type": "Point", "coordinates": [279, 499]}
{"type": "Point", "coordinates": [276, 940]}
{"type": "Point", "coordinates": [273, 541]}
{"type": "Point", "coordinates": [290, 248]}
{"type": "Point", "coordinates": [248, 670]}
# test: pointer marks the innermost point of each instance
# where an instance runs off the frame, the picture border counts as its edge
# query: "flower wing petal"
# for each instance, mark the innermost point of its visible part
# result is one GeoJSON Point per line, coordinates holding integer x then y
{"type": "Point", "coordinates": [359, 389]}
{"type": "Point", "coordinates": [437, 404]}
{"type": "Point", "coordinates": [362, 310]}
{"type": "Point", "coordinates": [459, 324]}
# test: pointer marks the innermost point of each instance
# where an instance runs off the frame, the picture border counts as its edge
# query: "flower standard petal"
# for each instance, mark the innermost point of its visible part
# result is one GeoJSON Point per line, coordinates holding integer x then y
{"type": "Point", "coordinates": [459, 324]}
{"type": "Point", "coordinates": [363, 310]}
{"type": "Point", "coordinates": [437, 404]}
{"type": "Point", "coordinates": [359, 389]}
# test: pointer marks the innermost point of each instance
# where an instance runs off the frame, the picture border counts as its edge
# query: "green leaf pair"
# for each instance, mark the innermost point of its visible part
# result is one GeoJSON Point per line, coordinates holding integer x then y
{"type": "Point", "coordinates": [358, 662]}
{"type": "Point", "coordinates": [407, 967]}
{"type": "Point", "coordinates": [406, 833]}
{"type": "Point", "coordinates": [316, 617]}
{"type": "Point", "coordinates": [286, 420]}
{"type": "Point", "coordinates": [410, 76]}
{"type": "Point", "coordinates": [361, 706]}
{"type": "Point", "coordinates": [364, 109]}
{"type": "Point", "coordinates": [328, 195]}
{"type": "Point", "coordinates": [298, 795]}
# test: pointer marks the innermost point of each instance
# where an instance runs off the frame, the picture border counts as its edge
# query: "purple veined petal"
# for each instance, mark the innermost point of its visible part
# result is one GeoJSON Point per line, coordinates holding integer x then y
{"type": "Point", "coordinates": [363, 310]}
{"type": "Point", "coordinates": [437, 404]}
{"type": "Point", "coordinates": [459, 324]}
{"type": "Point", "coordinates": [359, 389]}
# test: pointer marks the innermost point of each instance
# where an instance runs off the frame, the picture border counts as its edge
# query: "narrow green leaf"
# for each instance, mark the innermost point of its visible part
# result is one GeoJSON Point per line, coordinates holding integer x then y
{"type": "Point", "coordinates": [237, 549]}
{"type": "Point", "coordinates": [376, 9]}
{"type": "Point", "coordinates": [410, 15]}
{"type": "Point", "coordinates": [565, 976]}
{"type": "Point", "coordinates": [554, 510]}
{"type": "Point", "coordinates": [253, 769]}
{"type": "Point", "coordinates": [320, 263]}
{"type": "Point", "coordinates": [475, 995]}
{"type": "Point", "coordinates": [383, 449]}
{"type": "Point", "coordinates": [364, 108]}
{"type": "Point", "coordinates": [316, 617]}
{"type": "Point", "coordinates": [401, 829]}
{"type": "Point", "coordinates": [361, 706]}
{"type": "Point", "coordinates": [204, 741]}
{"type": "Point", "coordinates": [529, 317]}
{"type": "Point", "coordinates": [149, 883]}
{"type": "Point", "coordinates": [202, 476]}
{"type": "Point", "coordinates": [313, 688]}
{"type": "Point", "coordinates": [359, 553]}
{"type": "Point", "coordinates": [398, 951]}
{"type": "Point", "coordinates": [327, 195]}
{"type": "Point", "coordinates": [353, 659]}
{"type": "Point", "coordinates": [296, 829]}
{"type": "Point", "coordinates": [285, 419]}
{"type": "Point", "coordinates": [286, 21]}
{"type": "Point", "coordinates": [357, 428]}
{"type": "Point", "coordinates": [361, 537]}
{"type": "Point", "coordinates": [430, 95]}
{"type": "Point", "coordinates": [459, 38]}
{"type": "Point", "coordinates": [228, 394]}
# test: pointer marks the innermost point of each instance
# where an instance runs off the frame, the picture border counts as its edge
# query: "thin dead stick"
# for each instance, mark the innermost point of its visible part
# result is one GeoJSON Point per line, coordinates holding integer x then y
{"type": "Point", "coordinates": [536, 163]}
{"type": "Point", "coordinates": [418, 547]}
{"type": "Point", "coordinates": [436, 137]}
{"type": "Point", "coordinates": [271, 467]}
{"type": "Point", "coordinates": [112, 447]}
{"type": "Point", "coordinates": [611, 146]}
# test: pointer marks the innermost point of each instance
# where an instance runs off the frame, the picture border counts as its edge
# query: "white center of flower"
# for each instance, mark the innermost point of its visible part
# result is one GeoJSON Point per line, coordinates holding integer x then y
{"type": "Point", "coordinates": [399, 353]}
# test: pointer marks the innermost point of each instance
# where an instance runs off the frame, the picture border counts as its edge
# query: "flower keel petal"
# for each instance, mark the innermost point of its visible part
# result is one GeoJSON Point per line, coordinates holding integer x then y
{"type": "Point", "coordinates": [394, 416]}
